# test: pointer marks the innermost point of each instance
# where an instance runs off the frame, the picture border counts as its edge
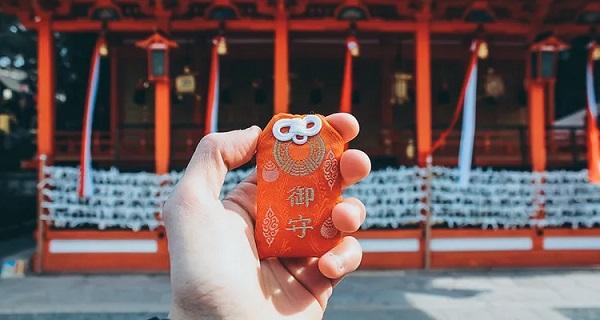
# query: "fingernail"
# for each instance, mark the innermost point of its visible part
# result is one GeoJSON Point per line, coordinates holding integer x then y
{"type": "Point", "coordinates": [352, 208]}
{"type": "Point", "coordinates": [356, 207]}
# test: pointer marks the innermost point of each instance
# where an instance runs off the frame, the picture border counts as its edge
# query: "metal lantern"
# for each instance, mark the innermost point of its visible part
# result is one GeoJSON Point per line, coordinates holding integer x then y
{"type": "Point", "coordinates": [544, 57]}
{"type": "Point", "coordinates": [186, 82]}
{"type": "Point", "coordinates": [158, 48]}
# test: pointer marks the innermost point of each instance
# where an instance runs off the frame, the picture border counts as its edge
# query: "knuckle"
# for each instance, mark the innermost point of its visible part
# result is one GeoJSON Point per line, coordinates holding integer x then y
{"type": "Point", "coordinates": [169, 208]}
{"type": "Point", "coordinates": [209, 142]}
{"type": "Point", "coordinates": [356, 202]}
{"type": "Point", "coordinates": [209, 147]}
{"type": "Point", "coordinates": [169, 205]}
{"type": "Point", "coordinates": [176, 204]}
{"type": "Point", "coordinates": [353, 243]}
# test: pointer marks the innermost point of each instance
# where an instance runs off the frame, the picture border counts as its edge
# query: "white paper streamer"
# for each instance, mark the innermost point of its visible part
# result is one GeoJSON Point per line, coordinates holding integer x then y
{"type": "Point", "coordinates": [467, 135]}
{"type": "Point", "coordinates": [394, 198]}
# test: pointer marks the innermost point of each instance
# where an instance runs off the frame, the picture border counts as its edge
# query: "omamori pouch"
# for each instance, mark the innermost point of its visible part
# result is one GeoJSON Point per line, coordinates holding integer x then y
{"type": "Point", "coordinates": [299, 182]}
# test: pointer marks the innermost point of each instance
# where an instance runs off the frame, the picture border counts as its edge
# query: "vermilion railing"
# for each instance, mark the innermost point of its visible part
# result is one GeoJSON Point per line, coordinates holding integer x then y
{"type": "Point", "coordinates": [497, 146]}
{"type": "Point", "coordinates": [500, 146]}
{"type": "Point", "coordinates": [132, 143]}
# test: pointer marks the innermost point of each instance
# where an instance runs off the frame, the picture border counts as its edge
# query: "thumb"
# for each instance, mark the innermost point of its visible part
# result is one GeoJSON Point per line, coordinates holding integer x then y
{"type": "Point", "coordinates": [216, 154]}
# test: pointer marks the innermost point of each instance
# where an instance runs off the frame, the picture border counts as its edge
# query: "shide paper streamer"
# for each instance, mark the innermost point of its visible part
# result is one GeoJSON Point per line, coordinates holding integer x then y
{"type": "Point", "coordinates": [393, 197]}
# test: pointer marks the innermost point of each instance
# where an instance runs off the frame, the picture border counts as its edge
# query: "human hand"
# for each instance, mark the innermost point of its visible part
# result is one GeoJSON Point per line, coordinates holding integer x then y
{"type": "Point", "coordinates": [215, 270]}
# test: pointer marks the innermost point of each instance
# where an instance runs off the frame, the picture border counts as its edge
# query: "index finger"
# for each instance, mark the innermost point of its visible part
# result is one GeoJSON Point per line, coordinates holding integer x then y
{"type": "Point", "coordinates": [345, 124]}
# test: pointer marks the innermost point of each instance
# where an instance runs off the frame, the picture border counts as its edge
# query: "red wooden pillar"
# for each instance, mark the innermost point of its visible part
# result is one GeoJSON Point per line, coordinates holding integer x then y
{"type": "Point", "coordinates": [158, 47]}
{"type": "Point", "coordinates": [46, 88]}
{"type": "Point", "coordinates": [162, 125]}
{"type": "Point", "coordinates": [537, 125]}
{"type": "Point", "coordinates": [281, 99]}
{"type": "Point", "coordinates": [423, 94]}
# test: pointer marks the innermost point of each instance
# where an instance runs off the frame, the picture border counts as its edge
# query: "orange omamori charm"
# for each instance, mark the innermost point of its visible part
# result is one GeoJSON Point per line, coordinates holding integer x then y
{"type": "Point", "coordinates": [298, 184]}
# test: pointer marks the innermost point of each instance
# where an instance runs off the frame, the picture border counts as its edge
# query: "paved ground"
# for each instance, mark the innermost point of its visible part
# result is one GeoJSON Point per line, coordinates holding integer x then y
{"type": "Point", "coordinates": [503, 294]}
{"type": "Point", "coordinates": [548, 294]}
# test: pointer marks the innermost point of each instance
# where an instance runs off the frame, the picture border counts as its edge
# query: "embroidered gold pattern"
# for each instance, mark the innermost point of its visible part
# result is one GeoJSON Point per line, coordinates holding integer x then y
{"type": "Point", "coordinates": [304, 166]}
{"type": "Point", "coordinates": [301, 224]}
{"type": "Point", "coordinates": [270, 172]}
{"type": "Point", "coordinates": [328, 230]}
{"type": "Point", "coordinates": [270, 226]}
{"type": "Point", "coordinates": [330, 168]}
{"type": "Point", "coordinates": [299, 196]}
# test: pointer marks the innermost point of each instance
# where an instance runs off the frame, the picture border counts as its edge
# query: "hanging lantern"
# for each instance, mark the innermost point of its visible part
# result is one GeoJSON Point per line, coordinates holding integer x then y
{"type": "Point", "coordinates": [158, 48]}
{"type": "Point", "coordinates": [185, 83]}
{"type": "Point", "coordinates": [544, 58]}
{"type": "Point", "coordinates": [400, 94]}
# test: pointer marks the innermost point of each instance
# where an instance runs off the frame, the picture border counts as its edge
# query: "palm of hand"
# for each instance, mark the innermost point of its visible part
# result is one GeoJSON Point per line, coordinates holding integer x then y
{"type": "Point", "coordinates": [215, 270]}
{"type": "Point", "coordinates": [234, 283]}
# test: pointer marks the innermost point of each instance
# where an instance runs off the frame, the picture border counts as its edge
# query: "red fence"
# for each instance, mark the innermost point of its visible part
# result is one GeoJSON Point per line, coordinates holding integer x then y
{"type": "Point", "coordinates": [500, 146]}
{"type": "Point", "coordinates": [133, 144]}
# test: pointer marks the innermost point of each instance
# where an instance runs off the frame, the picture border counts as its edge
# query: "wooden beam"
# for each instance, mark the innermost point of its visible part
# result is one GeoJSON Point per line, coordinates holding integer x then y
{"type": "Point", "coordinates": [308, 25]}
{"type": "Point", "coordinates": [231, 25]}
{"type": "Point", "coordinates": [318, 25]}
{"type": "Point", "coordinates": [537, 20]}
{"type": "Point", "coordinates": [460, 27]}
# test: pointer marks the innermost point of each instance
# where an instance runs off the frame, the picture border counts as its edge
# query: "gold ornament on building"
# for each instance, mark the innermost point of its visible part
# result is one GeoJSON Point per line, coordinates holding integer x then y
{"type": "Point", "coordinates": [5, 123]}
{"type": "Point", "coordinates": [494, 84]}
{"type": "Point", "coordinates": [483, 50]}
{"type": "Point", "coordinates": [596, 53]}
{"type": "Point", "coordinates": [400, 88]}
{"type": "Point", "coordinates": [185, 83]}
